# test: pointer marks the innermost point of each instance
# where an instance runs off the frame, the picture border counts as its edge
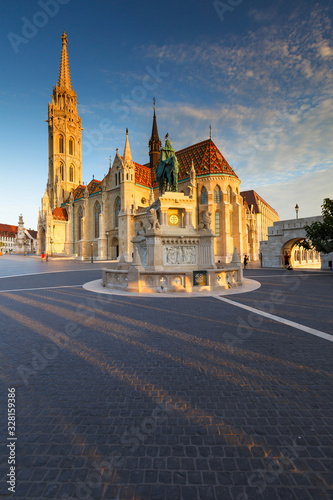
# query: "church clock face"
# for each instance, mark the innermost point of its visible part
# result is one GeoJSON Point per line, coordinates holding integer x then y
{"type": "Point", "coordinates": [174, 219]}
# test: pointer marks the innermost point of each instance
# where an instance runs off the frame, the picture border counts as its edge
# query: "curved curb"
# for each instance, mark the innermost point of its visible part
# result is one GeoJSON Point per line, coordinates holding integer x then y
{"type": "Point", "coordinates": [97, 287]}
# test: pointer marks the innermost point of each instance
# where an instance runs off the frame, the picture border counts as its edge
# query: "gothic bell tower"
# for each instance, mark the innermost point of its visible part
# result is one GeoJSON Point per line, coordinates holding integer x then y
{"type": "Point", "coordinates": [64, 127]}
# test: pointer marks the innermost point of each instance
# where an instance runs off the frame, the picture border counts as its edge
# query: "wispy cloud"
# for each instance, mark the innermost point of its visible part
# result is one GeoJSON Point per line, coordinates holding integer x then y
{"type": "Point", "coordinates": [272, 62]}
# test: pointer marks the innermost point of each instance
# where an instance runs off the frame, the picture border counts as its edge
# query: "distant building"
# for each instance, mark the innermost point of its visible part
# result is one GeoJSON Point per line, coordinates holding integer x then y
{"type": "Point", "coordinates": [17, 239]}
{"type": "Point", "coordinates": [282, 241]}
{"type": "Point", "coordinates": [7, 238]}
{"type": "Point", "coordinates": [99, 218]}
{"type": "Point", "coordinates": [259, 217]}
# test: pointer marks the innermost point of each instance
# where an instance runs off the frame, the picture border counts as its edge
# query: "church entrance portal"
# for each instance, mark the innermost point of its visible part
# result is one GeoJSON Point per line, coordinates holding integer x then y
{"type": "Point", "coordinates": [114, 249]}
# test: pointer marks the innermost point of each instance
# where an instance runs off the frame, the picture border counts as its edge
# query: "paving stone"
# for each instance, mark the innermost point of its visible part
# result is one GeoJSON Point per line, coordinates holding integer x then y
{"type": "Point", "coordinates": [254, 413]}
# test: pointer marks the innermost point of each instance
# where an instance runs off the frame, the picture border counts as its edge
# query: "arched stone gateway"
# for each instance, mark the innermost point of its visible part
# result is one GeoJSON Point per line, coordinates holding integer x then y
{"type": "Point", "coordinates": [299, 257]}
{"type": "Point", "coordinates": [283, 239]}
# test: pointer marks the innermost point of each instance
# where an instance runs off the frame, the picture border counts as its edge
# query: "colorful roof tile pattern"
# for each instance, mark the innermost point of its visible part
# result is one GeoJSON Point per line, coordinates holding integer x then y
{"type": "Point", "coordinates": [94, 186]}
{"type": "Point", "coordinates": [143, 175]}
{"type": "Point", "coordinates": [207, 160]}
{"type": "Point", "coordinates": [78, 192]}
{"type": "Point", "coordinates": [206, 157]}
{"type": "Point", "coordinates": [60, 213]}
{"type": "Point", "coordinates": [252, 198]}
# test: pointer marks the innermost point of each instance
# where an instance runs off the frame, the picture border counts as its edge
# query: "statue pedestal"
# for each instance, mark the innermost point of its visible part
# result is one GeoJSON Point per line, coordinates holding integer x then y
{"type": "Point", "coordinates": [171, 255]}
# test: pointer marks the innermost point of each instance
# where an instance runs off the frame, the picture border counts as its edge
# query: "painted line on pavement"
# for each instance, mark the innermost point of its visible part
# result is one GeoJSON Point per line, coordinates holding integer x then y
{"type": "Point", "coordinates": [304, 328]}
{"type": "Point", "coordinates": [284, 275]}
{"type": "Point", "coordinates": [49, 272]}
{"type": "Point", "coordinates": [40, 288]}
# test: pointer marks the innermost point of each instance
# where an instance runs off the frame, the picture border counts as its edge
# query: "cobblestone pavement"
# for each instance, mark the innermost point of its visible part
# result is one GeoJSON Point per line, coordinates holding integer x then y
{"type": "Point", "coordinates": [165, 399]}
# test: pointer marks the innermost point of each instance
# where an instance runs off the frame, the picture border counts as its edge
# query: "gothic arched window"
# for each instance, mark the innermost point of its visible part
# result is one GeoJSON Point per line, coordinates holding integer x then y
{"type": "Point", "coordinates": [61, 169]}
{"type": "Point", "coordinates": [97, 213]}
{"type": "Point", "coordinates": [79, 220]}
{"type": "Point", "coordinates": [71, 173]}
{"type": "Point", "coordinates": [203, 197]}
{"type": "Point", "coordinates": [61, 144]}
{"type": "Point", "coordinates": [117, 211]}
{"type": "Point", "coordinates": [217, 194]}
{"type": "Point", "coordinates": [71, 146]}
{"type": "Point", "coordinates": [217, 224]}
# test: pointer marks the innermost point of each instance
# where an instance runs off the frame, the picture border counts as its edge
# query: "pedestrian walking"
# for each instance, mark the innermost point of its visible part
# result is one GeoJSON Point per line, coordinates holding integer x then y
{"type": "Point", "coordinates": [245, 261]}
{"type": "Point", "coordinates": [43, 257]}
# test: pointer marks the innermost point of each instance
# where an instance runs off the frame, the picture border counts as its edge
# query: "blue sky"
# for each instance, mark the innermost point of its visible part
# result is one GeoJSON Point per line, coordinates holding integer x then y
{"type": "Point", "coordinates": [260, 72]}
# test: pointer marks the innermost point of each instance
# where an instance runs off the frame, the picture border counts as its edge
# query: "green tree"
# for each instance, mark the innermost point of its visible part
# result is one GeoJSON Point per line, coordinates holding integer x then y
{"type": "Point", "coordinates": [319, 235]}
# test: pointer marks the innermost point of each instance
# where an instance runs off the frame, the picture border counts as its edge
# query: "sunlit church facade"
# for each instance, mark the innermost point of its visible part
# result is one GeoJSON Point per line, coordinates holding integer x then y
{"type": "Point", "coordinates": [98, 219]}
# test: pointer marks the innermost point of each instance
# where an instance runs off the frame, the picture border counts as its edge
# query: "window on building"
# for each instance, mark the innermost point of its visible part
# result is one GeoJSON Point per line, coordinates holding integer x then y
{"type": "Point", "coordinates": [61, 143]}
{"type": "Point", "coordinates": [61, 168]}
{"type": "Point", "coordinates": [117, 211]}
{"type": "Point", "coordinates": [217, 194]}
{"type": "Point", "coordinates": [230, 224]}
{"type": "Point", "coordinates": [79, 217]}
{"type": "Point", "coordinates": [71, 147]}
{"type": "Point", "coordinates": [97, 213]}
{"type": "Point", "coordinates": [71, 173]}
{"type": "Point", "coordinates": [217, 224]}
{"type": "Point", "coordinates": [203, 197]}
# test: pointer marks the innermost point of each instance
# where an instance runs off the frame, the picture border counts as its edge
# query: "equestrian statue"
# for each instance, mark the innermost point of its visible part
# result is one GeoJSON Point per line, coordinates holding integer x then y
{"type": "Point", "coordinates": [168, 168]}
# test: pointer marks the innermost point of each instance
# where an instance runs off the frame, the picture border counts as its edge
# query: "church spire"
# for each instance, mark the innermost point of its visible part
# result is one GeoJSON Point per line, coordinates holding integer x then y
{"type": "Point", "coordinates": [64, 76]}
{"type": "Point", "coordinates": [154, 143]}
{"type": "Point", "coordinates": [127, 157]}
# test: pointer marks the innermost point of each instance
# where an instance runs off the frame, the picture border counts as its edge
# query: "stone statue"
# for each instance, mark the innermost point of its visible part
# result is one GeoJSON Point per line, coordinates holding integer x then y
{"type": "Point", "coordinates": [168, 168]}
{"type": "Point", "coordinates": [152, 219]}
{"type": "Point", "coordinates": [139, 229]}
{"type": "Point", "coordinates": [206, 220]}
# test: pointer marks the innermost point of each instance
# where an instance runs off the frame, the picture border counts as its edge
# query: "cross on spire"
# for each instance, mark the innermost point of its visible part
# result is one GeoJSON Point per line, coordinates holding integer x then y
{"type": "Point", "coordinates": [210, 131]}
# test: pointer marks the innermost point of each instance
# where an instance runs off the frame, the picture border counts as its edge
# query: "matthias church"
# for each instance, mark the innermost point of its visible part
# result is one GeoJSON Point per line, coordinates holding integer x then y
{"type": "Point", "coordinates": [99, 218]}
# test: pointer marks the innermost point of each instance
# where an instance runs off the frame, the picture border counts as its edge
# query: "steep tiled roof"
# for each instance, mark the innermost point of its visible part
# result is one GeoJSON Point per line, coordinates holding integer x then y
{"type": "Point", "coordinates": [207, 160]}
{"type": "Point", "coordinates": [7, 228]}
{"type": "Point", "coordinates": [94, 186]}
{"type": "Point", "coordinates": [143, 175]}
{"type": "Point", "coordinates": [78, 192]}
{"type": "Point", "coordinates": [60, 213]}
{"type": "Point", "coordinates": [32, 233]}
{"type": "Point", "coordinates": [252, 198]}
{"type": "Point", "coordinates": [206, 157]}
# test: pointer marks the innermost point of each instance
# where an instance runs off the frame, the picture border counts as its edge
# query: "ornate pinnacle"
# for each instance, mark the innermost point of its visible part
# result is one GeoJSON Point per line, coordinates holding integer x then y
{"type": "Point", "coordinates": [64, 75]}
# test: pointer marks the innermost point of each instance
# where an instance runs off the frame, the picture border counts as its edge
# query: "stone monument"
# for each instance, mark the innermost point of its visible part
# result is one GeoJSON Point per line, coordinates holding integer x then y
{"type": "Point", "coordinates": [171, 252]}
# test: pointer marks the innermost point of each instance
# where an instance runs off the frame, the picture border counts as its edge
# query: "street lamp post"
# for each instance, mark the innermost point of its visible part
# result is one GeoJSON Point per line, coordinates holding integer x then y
{"type": "Point", "coordinates": [92, 252]}
{"type": "Point", "coordinates": [296, 209]}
